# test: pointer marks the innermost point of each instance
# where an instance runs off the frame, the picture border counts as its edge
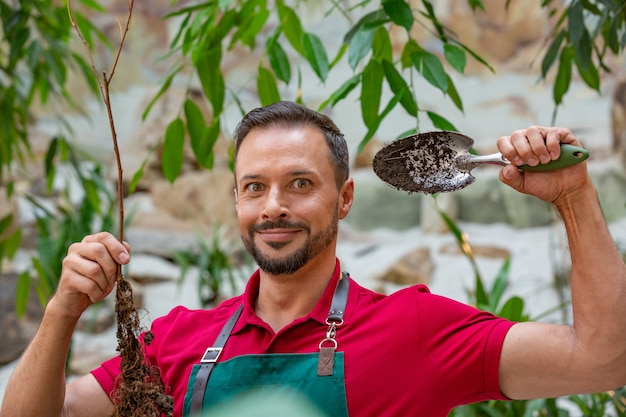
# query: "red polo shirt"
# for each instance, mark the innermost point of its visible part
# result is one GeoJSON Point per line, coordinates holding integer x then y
{"type": "Point", "coordinates": [408, 353]}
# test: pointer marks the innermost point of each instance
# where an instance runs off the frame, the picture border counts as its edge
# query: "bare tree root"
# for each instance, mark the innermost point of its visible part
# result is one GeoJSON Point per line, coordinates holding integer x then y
{"type": "Point", "coordinates": [140, 392]}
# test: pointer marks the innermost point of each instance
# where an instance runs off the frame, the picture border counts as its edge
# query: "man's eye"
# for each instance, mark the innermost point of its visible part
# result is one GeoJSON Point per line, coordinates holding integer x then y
{"type": "Point", "coordinates": [301, 183]}
{"type": "Point", "coordinates": [254, 187]}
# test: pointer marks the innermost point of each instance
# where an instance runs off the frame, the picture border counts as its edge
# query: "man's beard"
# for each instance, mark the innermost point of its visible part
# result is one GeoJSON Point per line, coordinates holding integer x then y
{"type": "Point", "coordinates": [289, 264]}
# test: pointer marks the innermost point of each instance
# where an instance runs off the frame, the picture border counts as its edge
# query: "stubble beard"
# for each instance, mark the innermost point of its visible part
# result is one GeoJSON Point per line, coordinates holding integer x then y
{"type": "Point", "coordinates": [289, 264]}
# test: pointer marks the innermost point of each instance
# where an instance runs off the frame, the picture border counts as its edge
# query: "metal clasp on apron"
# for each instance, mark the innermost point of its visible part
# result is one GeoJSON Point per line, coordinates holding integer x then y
{"type": "Point", "coordinates": [328, 346]}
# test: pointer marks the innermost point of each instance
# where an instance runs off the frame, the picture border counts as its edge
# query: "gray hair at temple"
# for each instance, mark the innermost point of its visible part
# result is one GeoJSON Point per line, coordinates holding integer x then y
{"type": "Point", "coordinates": [289, 114]}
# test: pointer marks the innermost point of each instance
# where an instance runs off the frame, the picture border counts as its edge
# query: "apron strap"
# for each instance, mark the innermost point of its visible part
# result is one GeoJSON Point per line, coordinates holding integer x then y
{"type": "Point", "coordinates": [340, 298]}
{"type": "Point", "coordinates": [208, 361]}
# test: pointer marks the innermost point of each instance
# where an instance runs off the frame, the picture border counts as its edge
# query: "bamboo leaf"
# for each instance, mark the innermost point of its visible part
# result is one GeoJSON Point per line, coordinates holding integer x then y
{"type": "Point", "coordinates": [279, 62]}
{"type": "Point", "coordinates": [292, 28]}
{"type": "Point", "coordinates": [552, 53]}
{"type": "Point", "coordinates": [454, 94]}
{"type": "Point", "coordinates": [211, 136]}
{"type": "Point", "coordinates": [211, 78]}
{"type": "Point", "coordinates": [315, 53]}
{"type": "Point", "coordinates": [250, 28]}
{"type": "Point", "coordinates": [137, 177]}
{"type": "Point", "coordinates": [360, 44]}
{"type": "Point", "coordinates": [369, 21]}
{"type": "Point", "coordinates": [12, 243]}
{"type": "Point", "coordinates": [400, 88]}
{"type": "Point", "coordinates": [195, 121]}
{"type": "Point", "coordinates": [341, 93]}
{"type": "Point", "coordinates": [91, 195]}
{"type": "Point", "coordinates": [173, 150]}
{"type": "Point", "coordinates": [583, 49]}
{"type": "Point", "coordinates": [399, 12]}
{"type": "Point", "coordinates": [455, 56]}
{"type": "Point", "coordinates": [575, 22]}
{"type": "Point", "coordinates": [371, 91]}
{"type": "Point", "coordinates": [49, 166]}
{"type": "Point", "coordinates": [267, 88]}
{"type": "Point", "coordinates": [197, 128]}
{"type": "Point", "coordinates": [21, 293]}
{"type": "Point", "coordinates": [431, 68]}
{"type": "Point", "coordinates": [166, 85]}
{"type": "Point", "coordinates": [381, 45]}
{"type": "Point", "coordinates": [590, 76]}
{"type": "Point", "coordinates": [370, 134]}
{"type": "Point", "coordinates": [5, 222]}
{"type": "Point", "coordinates": [440, 122]}
{"type": "Point", "coordinates": [563, 76]}
{"type": "Point", "coordinates": [409, 49]}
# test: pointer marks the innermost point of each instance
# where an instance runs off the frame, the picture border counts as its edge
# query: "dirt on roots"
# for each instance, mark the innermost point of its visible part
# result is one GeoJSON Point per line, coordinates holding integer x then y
{"type": "Point", "coordinates": [140, 391]}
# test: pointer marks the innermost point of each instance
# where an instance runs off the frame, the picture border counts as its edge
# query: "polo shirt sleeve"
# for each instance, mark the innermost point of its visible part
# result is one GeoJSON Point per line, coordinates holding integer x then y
{"type": "Point", "coordinates": [463, 346]}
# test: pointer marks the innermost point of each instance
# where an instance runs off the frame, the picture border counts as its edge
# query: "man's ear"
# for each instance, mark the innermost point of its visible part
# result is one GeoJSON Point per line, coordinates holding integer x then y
{"type": "Point", "coordinates": [236, 199]}
{"type": "Point", "coordinates": [346, 198]}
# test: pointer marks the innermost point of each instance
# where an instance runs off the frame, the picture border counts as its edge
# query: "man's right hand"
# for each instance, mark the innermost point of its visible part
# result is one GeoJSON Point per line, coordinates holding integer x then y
{"type": "Point", "coordinates": [89, 273]}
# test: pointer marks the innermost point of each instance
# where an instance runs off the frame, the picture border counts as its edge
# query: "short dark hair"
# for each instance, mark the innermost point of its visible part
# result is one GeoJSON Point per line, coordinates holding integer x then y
{"type": "Point", "coordinates": [289, 114]}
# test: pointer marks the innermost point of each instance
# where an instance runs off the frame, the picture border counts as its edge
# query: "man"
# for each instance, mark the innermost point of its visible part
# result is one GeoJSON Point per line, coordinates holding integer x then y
{"type": "Point", "coordinates": [303, 325]}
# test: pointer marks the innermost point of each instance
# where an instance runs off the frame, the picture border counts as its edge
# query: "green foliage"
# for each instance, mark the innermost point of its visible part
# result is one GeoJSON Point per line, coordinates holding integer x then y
{"type": "Point", "coordinates": [65, 222]}
{"type": "Point", "coordinates": [586, 33]}
{"type": "Point", "coordinates": [209, 31]}
{"type": "Point", "coordinates": [34, 65]}
{"type": "Point", "coordinates": [214, 265]}
{"type": "Point", "coordinates": [9, 240]}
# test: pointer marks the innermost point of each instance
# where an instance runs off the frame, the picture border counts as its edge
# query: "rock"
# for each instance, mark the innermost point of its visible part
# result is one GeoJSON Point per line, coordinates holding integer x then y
{"type": "Point", "coordinates": [98, 317]}
{"type": "Point", "coordinates": [204, 197]}
{"type": "Point", "coordinates": [156, 231]}
{"type": "Point", "coordinates": [487, 200]}
{"type": "Point", "coordinates": [487, 251]}
{"type": "Point", "coordinates": [149, 269]}
{"type": "Point", "coordinates": [377, 204]}
{"type": "Point", "coordinates": [416, 267]}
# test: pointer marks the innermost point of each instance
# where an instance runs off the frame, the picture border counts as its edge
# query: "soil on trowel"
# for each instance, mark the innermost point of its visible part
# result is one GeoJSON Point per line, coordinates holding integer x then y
{"type": "Point", "coordinates": [423, 163]}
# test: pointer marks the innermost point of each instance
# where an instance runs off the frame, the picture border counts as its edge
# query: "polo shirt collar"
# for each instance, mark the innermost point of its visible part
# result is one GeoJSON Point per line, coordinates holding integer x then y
{"type": "Point", "coordinates": [319, 312]}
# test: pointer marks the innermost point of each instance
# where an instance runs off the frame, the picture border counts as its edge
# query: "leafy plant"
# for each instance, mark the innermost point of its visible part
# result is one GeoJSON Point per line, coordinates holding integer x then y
{"type": "Point", "coordinates": [34, 67]}
{"type": "Point", "coordinates": [584, 34]}
{"type": "Point", "coordinates": [63, 223]}
{"type": "Point", "coordinates": [214, 265]}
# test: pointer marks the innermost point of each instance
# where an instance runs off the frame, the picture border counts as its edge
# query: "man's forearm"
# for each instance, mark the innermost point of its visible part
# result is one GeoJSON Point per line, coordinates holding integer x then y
{"type": "Point", "coordinates": [598, 277]}
{"type": "Point", "coordinates": [37, 386]}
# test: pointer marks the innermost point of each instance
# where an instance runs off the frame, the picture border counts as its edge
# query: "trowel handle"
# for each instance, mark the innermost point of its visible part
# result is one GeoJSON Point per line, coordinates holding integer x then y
{"type": "Point", "coordinates": [570, 155]}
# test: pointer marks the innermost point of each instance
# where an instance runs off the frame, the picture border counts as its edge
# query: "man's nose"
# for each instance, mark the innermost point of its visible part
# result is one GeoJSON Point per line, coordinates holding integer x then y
{"type": "Point", "coordinates": [275, 205]}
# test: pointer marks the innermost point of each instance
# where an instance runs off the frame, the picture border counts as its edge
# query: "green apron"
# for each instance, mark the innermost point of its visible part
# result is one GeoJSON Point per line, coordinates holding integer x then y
{"type": "Point", "coordinates": [318, 376]}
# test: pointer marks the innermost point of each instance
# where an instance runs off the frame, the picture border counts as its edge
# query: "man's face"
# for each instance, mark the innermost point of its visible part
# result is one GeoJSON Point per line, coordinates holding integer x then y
{"type": "Point", "coordinates": [288, 204]}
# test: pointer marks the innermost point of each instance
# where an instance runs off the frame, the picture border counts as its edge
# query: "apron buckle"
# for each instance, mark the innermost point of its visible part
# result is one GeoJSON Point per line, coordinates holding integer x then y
{"type": "Point", "coordinates": [211, 355]}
